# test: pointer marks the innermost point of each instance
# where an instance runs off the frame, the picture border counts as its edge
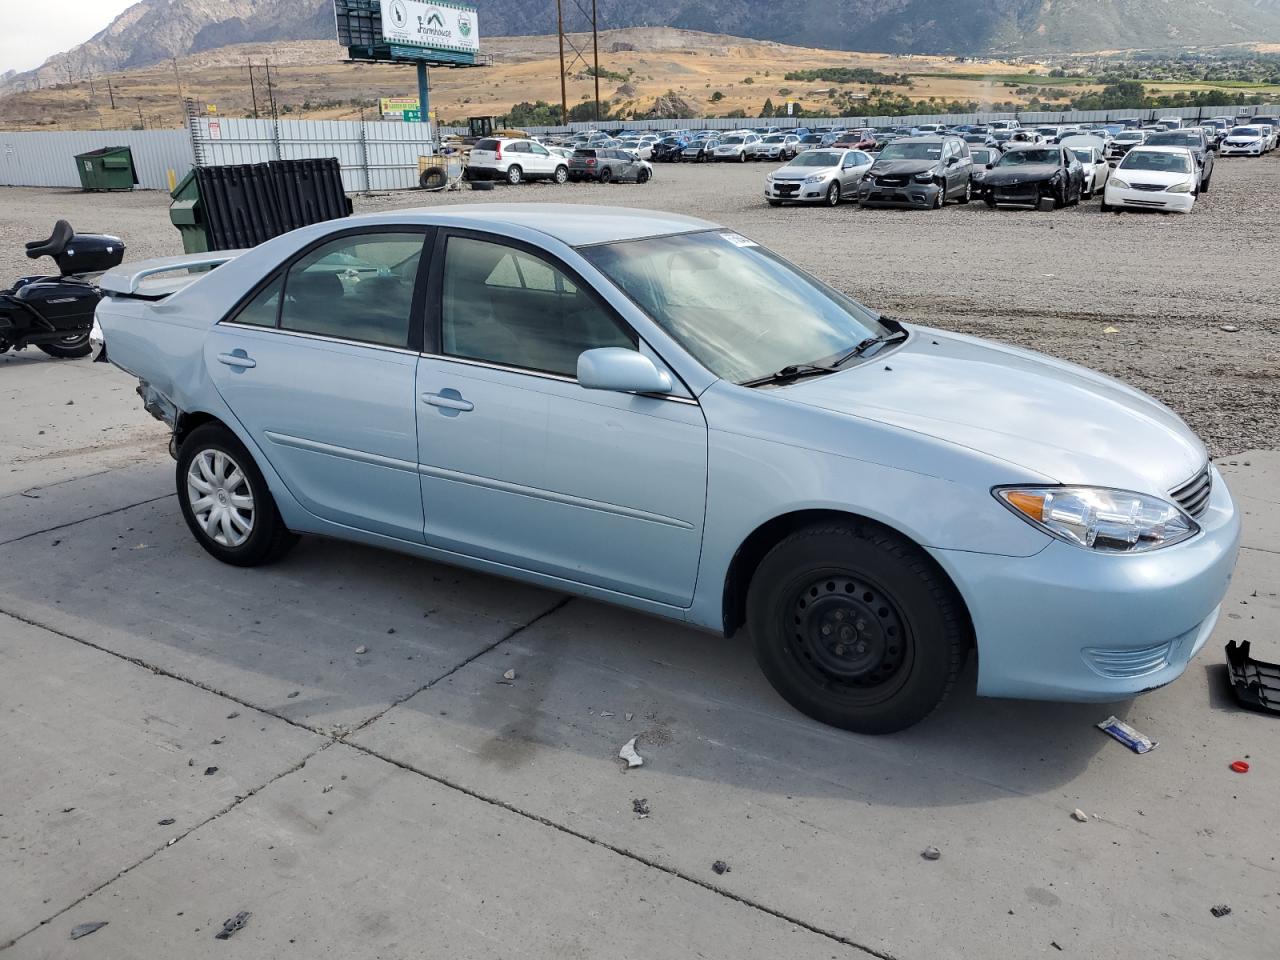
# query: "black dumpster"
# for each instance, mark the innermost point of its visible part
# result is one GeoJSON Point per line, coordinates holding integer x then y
{"type": "Point", "coordinates": [242, 205]}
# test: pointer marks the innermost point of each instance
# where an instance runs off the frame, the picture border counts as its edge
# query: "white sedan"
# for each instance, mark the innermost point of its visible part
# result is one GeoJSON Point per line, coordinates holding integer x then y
{"type": "Point", "coordinates": [1244, 142]}
{"type": "Point", "coordinates": [1153, 178]}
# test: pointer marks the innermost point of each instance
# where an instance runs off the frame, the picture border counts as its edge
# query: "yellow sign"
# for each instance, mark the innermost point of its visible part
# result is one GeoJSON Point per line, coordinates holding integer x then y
{"type": "Point", "coordinates": [388, 105]}
{"type": "Point", "coordinates": [211, 107]}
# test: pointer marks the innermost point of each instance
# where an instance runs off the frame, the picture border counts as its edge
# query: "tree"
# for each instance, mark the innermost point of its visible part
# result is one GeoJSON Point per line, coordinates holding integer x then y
{"type": "Point", "coordinates": [767, 110]}
{"type": "Point", "coordinates": [717, 97]}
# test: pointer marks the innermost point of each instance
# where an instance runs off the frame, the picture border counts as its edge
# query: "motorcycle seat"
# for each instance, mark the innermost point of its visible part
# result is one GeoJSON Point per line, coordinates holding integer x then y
{"type": "Point", "coordinates": [56, 244]}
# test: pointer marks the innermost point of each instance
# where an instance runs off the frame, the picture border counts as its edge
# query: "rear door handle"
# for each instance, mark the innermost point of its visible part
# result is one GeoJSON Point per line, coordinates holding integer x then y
{"type": "Point", "coordinates": [237, 358]}
{"type": "Point", "coordinates": [449, 399]}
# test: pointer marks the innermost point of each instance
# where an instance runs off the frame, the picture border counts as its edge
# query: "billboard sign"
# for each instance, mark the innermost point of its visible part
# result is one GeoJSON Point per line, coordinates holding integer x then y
{"type": "Point", "coordinates": [394, 106]}
{"type": "Point", "coordinates": [432, 26]}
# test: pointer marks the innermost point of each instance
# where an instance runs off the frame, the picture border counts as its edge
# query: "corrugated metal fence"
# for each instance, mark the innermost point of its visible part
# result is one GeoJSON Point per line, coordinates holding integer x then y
{"type": "Point", "coordinates": [45, 158]}
{"type": "Point", "coordinates": [383, 155]}
{"type": "Point", "coordinates": [375, 155]}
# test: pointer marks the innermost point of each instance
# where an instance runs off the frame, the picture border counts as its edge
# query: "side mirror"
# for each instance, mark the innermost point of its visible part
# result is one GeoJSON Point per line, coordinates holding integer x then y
{"type": "Point", "coordinates": [952, 161]}
{"type": "Point", "coordinates": [620, 370]}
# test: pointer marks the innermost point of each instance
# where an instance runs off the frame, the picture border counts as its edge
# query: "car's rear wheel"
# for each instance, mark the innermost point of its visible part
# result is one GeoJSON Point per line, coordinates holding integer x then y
{"type": "Point", "coordinates": [968, 192]}
{"type": "Point", "coordinates": [833, 195]}
{"type": "Point", "coordinates": [606, 175]}
{"type": "Point", "coordinates": [561, 174]}
{"type": "Point", "coordinates": [854, 627]}
{"type": "Point", "coordinates": [514, 174]}
{"type": "Point", "coordinates": [70, 347]}
{"type": "Point", "coordinates": [225, 500]}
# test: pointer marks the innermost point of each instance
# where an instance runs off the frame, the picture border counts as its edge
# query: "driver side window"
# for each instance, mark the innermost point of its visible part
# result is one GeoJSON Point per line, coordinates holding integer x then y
{"type": "Point", "coordinates": [504, 305]}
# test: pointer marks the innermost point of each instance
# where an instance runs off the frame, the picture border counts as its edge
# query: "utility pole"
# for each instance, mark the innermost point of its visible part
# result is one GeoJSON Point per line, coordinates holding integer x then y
{"type": "Point", "coordinates": [178, 77]}
{"type": "Point", "coordinates": [564, 98]}
{"type": "Point", "coordinates": [111, 94]}
{"type": "Point", "coordinates": [142, 124]}
{"type": "Point", "coordinates": [271, 95]}
{"type": "Point", "coordinates": [253, 90]}
{"type": "Point", "coordinates": [595, 46]}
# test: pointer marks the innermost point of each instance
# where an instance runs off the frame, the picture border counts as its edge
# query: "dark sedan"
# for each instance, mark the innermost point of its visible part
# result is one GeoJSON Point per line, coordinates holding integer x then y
{"type": "Point", "coordinates": [669, 148]}
{"type": "Point", "coordinates": [1026, 175]}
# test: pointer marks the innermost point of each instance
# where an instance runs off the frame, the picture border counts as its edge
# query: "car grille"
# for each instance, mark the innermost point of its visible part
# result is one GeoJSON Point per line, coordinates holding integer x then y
{"type": "Point", "coordinates": [1193, 496]}
{"type": "Point", "coordinates": [1122, 664]}
{"type": "Point", "coordinates": [891, 181]}
{"type": "Point", "coordinates": [1150, 187]}
{"type": "Point", "coordinates": [786, 188]}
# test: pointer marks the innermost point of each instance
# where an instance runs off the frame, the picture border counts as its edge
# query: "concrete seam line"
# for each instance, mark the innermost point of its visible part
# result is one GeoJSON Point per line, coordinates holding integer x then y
{"type": "Point", "coordinates": [170, 843]}
{"type": "Point", "coordinates": [435, 778]}
{"type": "Point", "coordinates": [1245, 546]}
{"type": "Point", "coordinates": [622, 852]}
{"type": "Point", "coordinates": [558, 605]}
{"type": "Point", "coordinates": [72, 523]}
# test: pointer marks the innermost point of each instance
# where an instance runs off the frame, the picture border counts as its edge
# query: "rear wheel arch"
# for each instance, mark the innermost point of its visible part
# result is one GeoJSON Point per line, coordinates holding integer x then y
{"type": "Point", "coordinates": [753, 549]}
{"type": "Point", "coordinates": [186, 423]}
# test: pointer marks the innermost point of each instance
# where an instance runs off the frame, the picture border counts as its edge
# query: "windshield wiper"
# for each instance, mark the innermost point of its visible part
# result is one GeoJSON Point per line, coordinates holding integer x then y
{"type": "Point", "coordinates": [789, 373]}
{"type": "Point", "coordinates": [867, 344]}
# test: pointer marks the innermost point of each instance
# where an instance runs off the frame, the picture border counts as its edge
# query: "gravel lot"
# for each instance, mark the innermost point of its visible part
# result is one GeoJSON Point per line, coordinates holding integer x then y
{"type": "Point", "coordinates": [1055, 282]}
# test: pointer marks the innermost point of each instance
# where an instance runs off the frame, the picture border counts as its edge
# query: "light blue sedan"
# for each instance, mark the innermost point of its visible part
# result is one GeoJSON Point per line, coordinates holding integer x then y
{"type": "Point", "coordinates": [655, 411]}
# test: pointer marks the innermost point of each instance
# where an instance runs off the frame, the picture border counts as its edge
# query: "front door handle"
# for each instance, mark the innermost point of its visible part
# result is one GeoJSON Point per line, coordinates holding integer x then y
{"type": "Point", "coordinates": [448, 399]}
{"type": "Point", "coordinates": [237, 358]}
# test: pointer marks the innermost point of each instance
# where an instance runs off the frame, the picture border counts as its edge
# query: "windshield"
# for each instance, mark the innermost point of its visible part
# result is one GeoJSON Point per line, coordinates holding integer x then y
{"type": "Point", "coordinates": [1158, 162]}
{"type": "Point", "coordinates": [1131, 135]}
{"type": "Point", "coordinates": [775, 139]}
{"type": "Point", "coordinates": [980, 156]}
{"type": "Point", "coordinates": [912, 151]}
{"type": "Point", "coordinates": [727, 140]}
{"type": "Point", "coordinates": [1018, 157]}
{"type": "Point", "coordinates": [1172, 139]}
{"type": "Point", "coordinates": [1084, 155]}
{"type": "Point", "coordinates": [816, 158]}
{"type": "Point", "coordinates": [1246, 132]}
{"type": "Point", "coordinates": [741, 311]}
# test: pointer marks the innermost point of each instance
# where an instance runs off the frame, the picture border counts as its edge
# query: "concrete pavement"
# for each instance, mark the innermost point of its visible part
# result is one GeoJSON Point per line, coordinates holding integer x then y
{"type": "Point", "coordinates": [471, 816]}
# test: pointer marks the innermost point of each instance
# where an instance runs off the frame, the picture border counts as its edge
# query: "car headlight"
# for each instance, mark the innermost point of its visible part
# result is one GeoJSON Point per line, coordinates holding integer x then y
{"type": "Point", "coordinates": [1115, 181]}
{"type": "Point", "coordinates": [816, 178]}
{"type": "Point", "coordinates": [926, 177]}
{"type": "Point", "coordinates": [1110, 521]}
{"type": "Point", "coordinates": [1183, 187]}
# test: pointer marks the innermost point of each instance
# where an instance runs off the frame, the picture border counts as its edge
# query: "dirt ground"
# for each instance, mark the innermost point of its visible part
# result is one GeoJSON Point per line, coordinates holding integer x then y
{"type": "Point", "coordinates": [1142, 297]}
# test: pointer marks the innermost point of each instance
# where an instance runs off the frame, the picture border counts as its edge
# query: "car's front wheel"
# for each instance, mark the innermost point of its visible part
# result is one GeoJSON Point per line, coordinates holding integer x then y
{"type": "Point", "coordinates": [833, 195]}
{"type": "Point", "coordinates": [225, 500]}
{"type": "Point", "coordinates": [855, 627]}
{"type": "Point", "coordinates": [562, 174]}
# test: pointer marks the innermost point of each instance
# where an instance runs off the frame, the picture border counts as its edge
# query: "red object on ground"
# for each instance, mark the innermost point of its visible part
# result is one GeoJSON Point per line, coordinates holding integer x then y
{"type": "Point", "coordinates": [1240, 766]}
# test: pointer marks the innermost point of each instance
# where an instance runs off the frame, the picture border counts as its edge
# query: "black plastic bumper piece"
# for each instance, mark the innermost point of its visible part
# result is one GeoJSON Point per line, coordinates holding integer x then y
{"type": "Point", "coordinates": [1256, 684]}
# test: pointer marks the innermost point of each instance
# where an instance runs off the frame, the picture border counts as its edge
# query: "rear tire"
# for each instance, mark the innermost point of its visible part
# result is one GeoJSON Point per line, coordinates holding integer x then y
{"type": "Point", "coordinates": [854, 627]}
{"type": "Point", "coordinates": [514, 174]}
{"type": "Point", "coordinates": [606, 175]}
{"type": "Point", "coordinates": [69, 348]}
{"type": "Point", "coordinates": [216, 479]}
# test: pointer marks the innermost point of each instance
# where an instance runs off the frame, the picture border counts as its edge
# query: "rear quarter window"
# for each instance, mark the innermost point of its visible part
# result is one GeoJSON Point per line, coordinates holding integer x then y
{"type": "Point", "coordinates": [489, 145]}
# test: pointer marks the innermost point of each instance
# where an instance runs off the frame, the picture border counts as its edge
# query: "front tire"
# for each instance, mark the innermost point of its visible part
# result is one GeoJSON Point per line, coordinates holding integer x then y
{"type": "Point", "coordinates": [225, 500]}
{"type": "Point", "coordinates": [968, 192]}
{"type": "Point", "coordinates": [833, 195]}
{"type": "Point", "coordinates": [69, 348]}
{"type": "Point", "coordinates": [643, 176]}
{"type": "Point", "coordinates": [562, 174]}
{"type": "Point", "coordinates": [854, 627]}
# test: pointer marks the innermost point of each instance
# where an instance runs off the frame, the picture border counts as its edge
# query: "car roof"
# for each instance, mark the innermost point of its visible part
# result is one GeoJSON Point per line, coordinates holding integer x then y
{"type": "Point", "coordinates": [1159, 148]}
{"type": "Point", "coordinates": [571, 223]}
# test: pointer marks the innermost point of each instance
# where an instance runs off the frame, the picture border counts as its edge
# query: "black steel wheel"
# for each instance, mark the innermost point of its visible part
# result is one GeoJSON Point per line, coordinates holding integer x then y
{"type": "Point", "coordinates": [855, 627]}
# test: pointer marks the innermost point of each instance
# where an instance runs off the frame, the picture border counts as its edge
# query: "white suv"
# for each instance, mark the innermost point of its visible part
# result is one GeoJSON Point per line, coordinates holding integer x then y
{"type": "Point", "coordinates": [736, 146]}
{"type": "Point", "coordinates": [515, 160]}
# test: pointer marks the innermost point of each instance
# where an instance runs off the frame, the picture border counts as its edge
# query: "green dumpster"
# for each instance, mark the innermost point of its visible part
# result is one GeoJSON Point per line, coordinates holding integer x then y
{"type": "Point", "coordinates": [110, 168]}
{"type": "Point", "coordinates": [187, 214]}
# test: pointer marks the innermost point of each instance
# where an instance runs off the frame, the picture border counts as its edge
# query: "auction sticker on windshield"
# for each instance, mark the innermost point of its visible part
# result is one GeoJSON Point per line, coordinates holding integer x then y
{"type": "Point", "coordinates": [738, 240]}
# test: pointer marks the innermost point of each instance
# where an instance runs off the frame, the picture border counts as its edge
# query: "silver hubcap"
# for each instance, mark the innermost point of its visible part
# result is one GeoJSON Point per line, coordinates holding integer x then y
{"type": "Point", "coordinates": [220, 497]}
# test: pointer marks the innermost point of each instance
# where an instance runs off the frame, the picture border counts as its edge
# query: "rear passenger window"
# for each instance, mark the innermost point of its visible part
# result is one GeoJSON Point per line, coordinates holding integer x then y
{"type": "Point", "coordinates": [506, 306]}
{"type": "Point", "coordinates": [263, 309]}
{"type": "Point", "coordinates": [355, 288]}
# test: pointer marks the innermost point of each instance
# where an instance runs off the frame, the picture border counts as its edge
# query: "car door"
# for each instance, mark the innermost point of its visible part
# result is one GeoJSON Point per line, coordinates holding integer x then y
{"type": "Point", "coordinates": [541, 161]}
{"type": "Point", "coordinates": [319, 367]}
{"type": "Point", "coordinates": [626, 166]}
{"type": "Point", "coordinates": [522, 466]}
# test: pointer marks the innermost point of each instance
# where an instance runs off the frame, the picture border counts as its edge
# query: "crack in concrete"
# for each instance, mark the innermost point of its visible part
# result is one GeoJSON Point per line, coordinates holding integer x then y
{"type": "Point", "coordinates": [72, 523]}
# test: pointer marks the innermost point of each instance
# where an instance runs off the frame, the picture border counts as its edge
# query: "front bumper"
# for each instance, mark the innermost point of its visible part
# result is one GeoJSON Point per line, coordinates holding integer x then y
{"type": "Point", "coordinates": [1070, 624]}
{"type": "Point", "coordinates": [796, 191]}
{"type": "Point", "coordinates": [1255, 150]}
{"type": "Point", "coordinates": [910, 194]}
{"type": "Point", "coordinates": [1148, 199]}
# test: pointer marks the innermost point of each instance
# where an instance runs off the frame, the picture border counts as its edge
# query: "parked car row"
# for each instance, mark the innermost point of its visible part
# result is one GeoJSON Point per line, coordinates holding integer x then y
{"type": "Point", "coordinates": [1164, 172]}
{"type": "Point", "coordinates": [514, 160]}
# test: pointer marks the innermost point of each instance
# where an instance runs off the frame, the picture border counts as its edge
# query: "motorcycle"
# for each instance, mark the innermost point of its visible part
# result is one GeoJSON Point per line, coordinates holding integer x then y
{"type": "Point", "coordinates": [55, 314]}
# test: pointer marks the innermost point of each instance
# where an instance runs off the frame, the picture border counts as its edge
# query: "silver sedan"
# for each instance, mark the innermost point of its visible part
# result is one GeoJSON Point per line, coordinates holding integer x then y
{"type": "Point", "coordinates": [818, 176]}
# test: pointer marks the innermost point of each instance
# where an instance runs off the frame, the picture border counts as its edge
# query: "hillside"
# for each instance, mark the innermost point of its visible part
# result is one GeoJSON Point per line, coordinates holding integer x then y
{"type": "Point", "coordinates": [151, 31]}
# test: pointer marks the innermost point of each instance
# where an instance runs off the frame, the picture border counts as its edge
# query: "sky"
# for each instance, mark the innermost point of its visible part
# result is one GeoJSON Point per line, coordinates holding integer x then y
{"type": "Point", "coordinates": [33, 31]}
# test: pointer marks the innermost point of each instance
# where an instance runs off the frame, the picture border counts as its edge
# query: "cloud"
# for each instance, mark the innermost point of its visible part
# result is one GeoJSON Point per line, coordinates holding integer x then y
{"type": "Point", "coordinates": [34, 31]}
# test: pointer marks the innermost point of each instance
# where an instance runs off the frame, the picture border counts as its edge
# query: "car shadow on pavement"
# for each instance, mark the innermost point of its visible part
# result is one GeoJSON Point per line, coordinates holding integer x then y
{"type": "Point", "coordinates": [336, 634]}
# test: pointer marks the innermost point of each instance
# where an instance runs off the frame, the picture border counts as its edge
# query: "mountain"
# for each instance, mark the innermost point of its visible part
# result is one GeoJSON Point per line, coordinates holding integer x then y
{"type": "Point", "coordinates": [153, 30]}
